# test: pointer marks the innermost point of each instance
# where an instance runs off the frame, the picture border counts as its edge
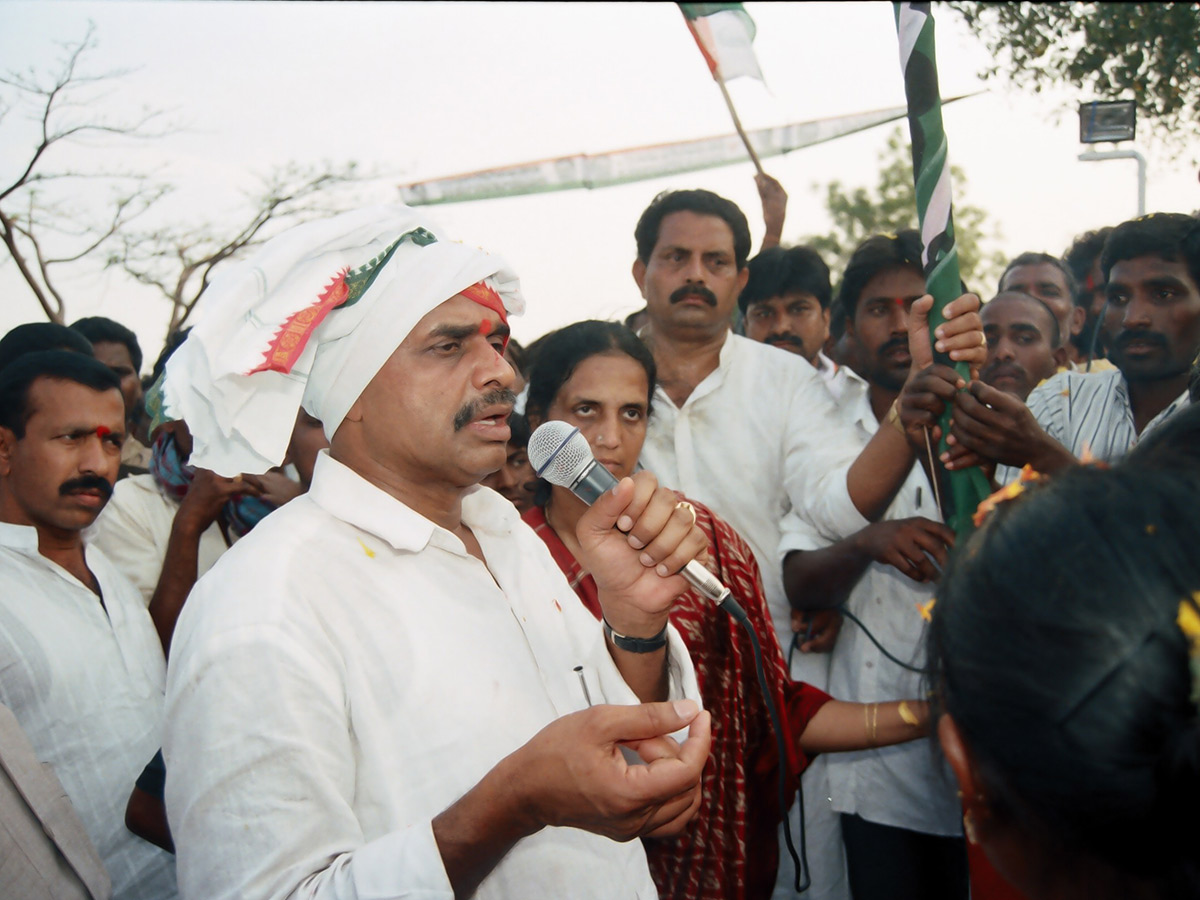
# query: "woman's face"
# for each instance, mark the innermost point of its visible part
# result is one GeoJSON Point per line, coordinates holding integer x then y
{"type": "Point", "coordinates": [605, 398]}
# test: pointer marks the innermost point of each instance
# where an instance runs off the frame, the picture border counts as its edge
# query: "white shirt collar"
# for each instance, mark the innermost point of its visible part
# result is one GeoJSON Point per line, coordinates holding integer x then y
{"type": "Point", "coordinates": [346, 495]}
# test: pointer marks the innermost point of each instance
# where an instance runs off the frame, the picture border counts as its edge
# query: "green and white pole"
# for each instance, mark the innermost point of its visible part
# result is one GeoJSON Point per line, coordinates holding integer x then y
{"type": "Point", "coordinates": [931, 174]}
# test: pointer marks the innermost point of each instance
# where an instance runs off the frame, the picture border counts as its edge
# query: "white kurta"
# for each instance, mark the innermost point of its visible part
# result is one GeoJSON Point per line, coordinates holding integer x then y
{"type": "Point", "coordinates": [904, 785]}
{"type": "Point", "coordinates": [85, 681]}
{"type": "Point", "coordinates": [347, 671]}
{"type": "Point", "coordinates": [135, 526]}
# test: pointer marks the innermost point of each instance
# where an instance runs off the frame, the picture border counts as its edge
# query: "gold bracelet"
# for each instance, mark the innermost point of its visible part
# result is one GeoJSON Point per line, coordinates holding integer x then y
{"type": "Point", "coordinates": [907, 716]}
{"type": "Point", "coordinates": [893, 417]}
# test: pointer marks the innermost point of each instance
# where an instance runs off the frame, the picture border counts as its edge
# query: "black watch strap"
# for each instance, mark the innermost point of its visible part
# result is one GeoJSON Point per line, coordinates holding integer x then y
{"type": "Point", "coordinates": [633, 644]}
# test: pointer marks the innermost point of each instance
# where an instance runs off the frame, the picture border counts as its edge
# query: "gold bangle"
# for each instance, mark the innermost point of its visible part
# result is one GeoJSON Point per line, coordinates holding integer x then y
{"type": "Point", "coordinates": [907, 716]}
{"type": "Point", "coordinates": [893, 417]}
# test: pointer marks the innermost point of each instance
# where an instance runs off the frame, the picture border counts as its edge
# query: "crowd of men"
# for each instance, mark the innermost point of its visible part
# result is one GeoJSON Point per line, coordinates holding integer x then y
{"type": "Point", "coordinates": [261, 635]}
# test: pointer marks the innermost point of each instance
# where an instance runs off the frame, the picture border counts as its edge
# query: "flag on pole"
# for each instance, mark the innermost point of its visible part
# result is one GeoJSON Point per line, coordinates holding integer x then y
{"type": "Point", "coordinates": [724, 32]}
{"type": "Point", "coordinates": [931, 173]}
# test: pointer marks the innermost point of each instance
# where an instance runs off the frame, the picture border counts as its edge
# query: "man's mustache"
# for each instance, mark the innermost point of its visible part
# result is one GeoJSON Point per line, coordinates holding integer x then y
{"type": "Point", "coordinates": [785, 339]}
{"type": "Point", "coordinates": [896, 343]}
{"type": "Point", "coordinates": [1125, 338]}
{"type": "Point", "coordinates": [465, 415]}
{"type": "Point", "coordinates": [694, 290]}
{"type": "Point", "coordinates": [86, 483]}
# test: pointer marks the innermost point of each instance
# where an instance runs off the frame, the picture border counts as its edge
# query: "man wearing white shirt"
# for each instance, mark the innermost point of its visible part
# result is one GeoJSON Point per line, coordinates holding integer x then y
{"type": "Point", "coordinates": [80, 663]}
{"type": "Point", "coordinates": [785, 303]}
{"type": "Point", "coordinates": [900, 821]}
{"type": "Point", "coordinates": [384, 689]}
{"type": "Point", "coordinates": [753, 432]}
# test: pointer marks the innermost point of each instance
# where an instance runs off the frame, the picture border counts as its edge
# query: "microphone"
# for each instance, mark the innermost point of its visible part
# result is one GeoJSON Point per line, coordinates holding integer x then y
{"type": "Point", "coordinates": [560, 454]}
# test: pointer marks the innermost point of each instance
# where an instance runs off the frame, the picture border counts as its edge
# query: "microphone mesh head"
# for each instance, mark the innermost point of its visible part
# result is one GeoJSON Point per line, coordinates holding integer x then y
{"type": "Point", "coordinates": [559, 453]}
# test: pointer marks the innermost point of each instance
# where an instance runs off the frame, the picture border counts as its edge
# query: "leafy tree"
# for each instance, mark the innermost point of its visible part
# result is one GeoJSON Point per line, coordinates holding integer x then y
{"type": "Point", "coordinates": [1149, 52]}
{"type": "Point", "coordinates": [891, 206]}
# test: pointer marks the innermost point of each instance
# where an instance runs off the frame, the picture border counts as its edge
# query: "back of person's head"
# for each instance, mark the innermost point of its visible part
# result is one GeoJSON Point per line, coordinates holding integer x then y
{"type": "Point", "coordinates": [1080, 257]}
{"type": "Point", "coordinates": [876, 254]}
{"type": "Point", "coordinates": [17, 378]}
{"type": "Point", "coordinates": [1056, 648]}
{"type": "Point", "coordinates": [1174, 237]}
{"type": "Point", "coordinates": [1034, 258]}
{"type": "Point", "coordinates": [700, 202]}
{"type": "Point", "coordinates": [560, 353]}
{"type": "Point", "coordinates": [98, 330]}
{"type": "Point", "coordinates": [34, 337]}
{"type": "Point", "coordinates": [779, 271]}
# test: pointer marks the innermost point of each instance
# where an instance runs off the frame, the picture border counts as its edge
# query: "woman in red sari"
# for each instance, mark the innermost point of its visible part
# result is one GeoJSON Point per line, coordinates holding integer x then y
{"type": "Point", "coordinates": [599, 377]}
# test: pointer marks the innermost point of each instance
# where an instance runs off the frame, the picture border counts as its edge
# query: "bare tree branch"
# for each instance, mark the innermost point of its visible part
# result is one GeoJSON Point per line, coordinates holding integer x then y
{"type": "Point", "coordinates": [39, 234]}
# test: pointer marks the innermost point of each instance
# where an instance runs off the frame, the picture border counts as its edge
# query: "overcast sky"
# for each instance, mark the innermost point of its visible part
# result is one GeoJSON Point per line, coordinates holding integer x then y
{"type": "Point", "coordinates": [422, 90]}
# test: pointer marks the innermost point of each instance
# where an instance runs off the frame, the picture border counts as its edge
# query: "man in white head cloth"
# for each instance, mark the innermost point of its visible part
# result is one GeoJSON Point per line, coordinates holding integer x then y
{"type": "Point", "coordinates": [384, 689]}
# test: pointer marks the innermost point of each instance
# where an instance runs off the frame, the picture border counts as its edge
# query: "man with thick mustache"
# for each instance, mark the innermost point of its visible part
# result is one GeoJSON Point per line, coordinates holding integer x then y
{"type": "Point", "coordinates": [1152, 271]}
{"type": "Point", "coordinates": [754, 433]}
{"type": "Point", "coordinates": [386, 688]}
{"type": "Point", "coordinates": [80, 663]}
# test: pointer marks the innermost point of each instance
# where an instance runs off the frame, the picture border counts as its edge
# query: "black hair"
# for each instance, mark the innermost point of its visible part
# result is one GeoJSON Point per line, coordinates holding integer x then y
{"type": "Point", "coordinates": [874, 255]}
{"type": "Point", "coordinates": [34, 337]}
{"type": "Point", "coordinates": [173, 342]}
{"type": "Point", "coordinates": [1055, 335]}
{"type": "Point", "coordinates": [518, 427]}
{"type": "Point", "coordinates": [1173, 236]}
{"type": "Point", "coordinates": [1055, 646]}
{"type": "Point", "coordinates": [1079, 257]}
{"type": "Point", "coordinates": [778, 271]}
{"type": "Point", "coordinates": [701, 202]}
{"type": "Point", "coordinates": [560, 353]}
{"type": "Point", "coordinates": [98, 330]}
{"type": "Point", "coordinates": [18, 377]}
{"type": "Point", "coordinates": [1033, 258]}
{"type": "Point", "coordinates": [517, 356]}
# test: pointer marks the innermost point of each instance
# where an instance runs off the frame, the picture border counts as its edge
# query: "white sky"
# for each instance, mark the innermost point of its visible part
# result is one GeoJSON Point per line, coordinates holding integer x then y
{"type": "Point", "coordinates": [430, 89]}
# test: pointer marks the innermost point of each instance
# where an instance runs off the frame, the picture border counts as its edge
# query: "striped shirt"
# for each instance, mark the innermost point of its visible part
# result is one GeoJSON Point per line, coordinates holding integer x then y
{"type": "Point", "coordinates": [1089, 413]}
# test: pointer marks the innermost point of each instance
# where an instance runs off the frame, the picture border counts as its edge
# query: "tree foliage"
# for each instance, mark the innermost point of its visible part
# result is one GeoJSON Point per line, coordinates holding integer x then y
{"type": "Point", "coordinates": [1147, 52]}
{"type": "Point", "coordinates": [891, 206]}
{"type": "Point", "coordinates": [45, 226]}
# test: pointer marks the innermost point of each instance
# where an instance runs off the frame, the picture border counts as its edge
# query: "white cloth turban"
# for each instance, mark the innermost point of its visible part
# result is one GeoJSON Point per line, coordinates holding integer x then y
{"type": "Point", "coordinates": [308, 320]}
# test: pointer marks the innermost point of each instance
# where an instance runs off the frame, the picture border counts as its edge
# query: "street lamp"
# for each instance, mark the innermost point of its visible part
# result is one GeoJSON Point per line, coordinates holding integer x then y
{"type": "Point", "coordinates": [1112, 121]}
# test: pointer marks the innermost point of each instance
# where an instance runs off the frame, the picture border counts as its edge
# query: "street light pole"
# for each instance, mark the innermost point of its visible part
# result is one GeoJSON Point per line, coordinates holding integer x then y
{"type": "Point", "coordinates": [1100, 155]}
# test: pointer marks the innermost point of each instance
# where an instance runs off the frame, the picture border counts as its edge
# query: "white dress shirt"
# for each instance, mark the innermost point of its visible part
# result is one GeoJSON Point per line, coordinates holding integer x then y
{"type": "Point", "coordinates": [347, 671]}
{"type": "Point", "coordinates": [85, 680]}
{"type": "Point", "coordinates": [135, 526]}
{"type": "Point", "coordinates": [903, 785]}
{"type": "Point", "coordinates": [757, 437]}
{"type": "Point", "coordinates": [1089, 412]}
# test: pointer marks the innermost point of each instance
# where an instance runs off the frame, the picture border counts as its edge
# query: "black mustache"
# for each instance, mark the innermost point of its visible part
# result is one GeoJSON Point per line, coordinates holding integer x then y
{"type": "Point", "coordinates": [896, 343]}
{"type": "Point", "coordinates": [694, 290]}
{"type": "Point", "coordinates": [472, 409]}
{"type": "Point", "coordinates": [784, 339]}
{"type": "Point", "coordinates": [86, 483]}
{"type": "Point", "coordinates": [1125, 338]}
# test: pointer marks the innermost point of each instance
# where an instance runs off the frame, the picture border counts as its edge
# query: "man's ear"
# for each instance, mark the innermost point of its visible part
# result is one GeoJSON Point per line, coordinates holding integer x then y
{"type": "Point", "coordinates": [8, 444]}
{"type": "Point", "coordinates": [639, 276]}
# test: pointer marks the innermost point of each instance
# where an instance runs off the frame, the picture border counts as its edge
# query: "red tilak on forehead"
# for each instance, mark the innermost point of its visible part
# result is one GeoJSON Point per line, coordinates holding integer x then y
{"type": "Point", "coordinates": [486, 297]}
